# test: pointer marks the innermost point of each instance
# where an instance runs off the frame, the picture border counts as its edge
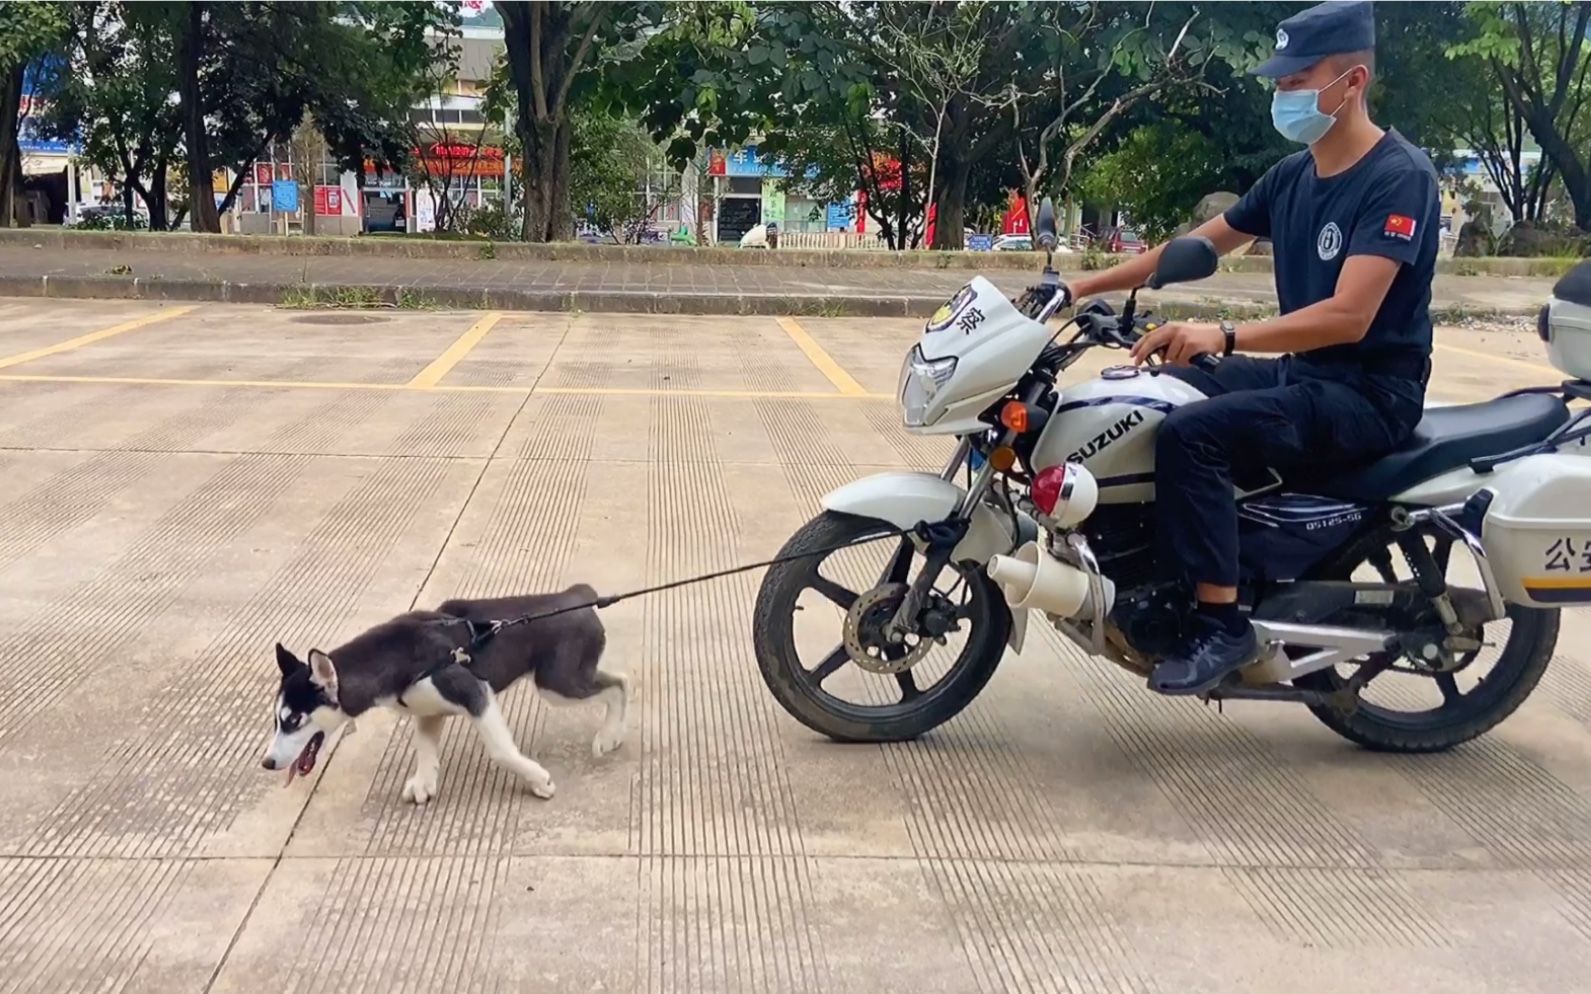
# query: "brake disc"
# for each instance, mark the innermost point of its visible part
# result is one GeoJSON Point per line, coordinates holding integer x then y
{"type": "Point", "coordinates": [864, 638]}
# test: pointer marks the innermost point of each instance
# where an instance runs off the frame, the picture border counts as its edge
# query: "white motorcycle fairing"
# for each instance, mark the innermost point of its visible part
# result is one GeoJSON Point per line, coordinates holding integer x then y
{"type": "Point", "coordinates": [906, 498]}
{"type": "Point", "coordinates": [972, 352]}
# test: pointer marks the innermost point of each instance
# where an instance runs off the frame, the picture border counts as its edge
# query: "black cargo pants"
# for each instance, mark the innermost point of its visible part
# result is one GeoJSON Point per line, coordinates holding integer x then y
{"type": "Point", "coordinates": [1289, 414]}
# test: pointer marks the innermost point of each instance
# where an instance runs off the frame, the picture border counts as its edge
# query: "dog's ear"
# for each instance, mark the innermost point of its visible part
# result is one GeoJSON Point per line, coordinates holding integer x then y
{"type": "Point", "coordinates": [285, 660]}
{"type": "Point", "coordinates": [322, 673]}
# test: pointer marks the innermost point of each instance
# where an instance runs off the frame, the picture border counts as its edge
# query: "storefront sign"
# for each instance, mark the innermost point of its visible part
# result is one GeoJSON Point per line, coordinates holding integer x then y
{"type": "Point", "coordinates": [717, 163]}
{"type": "Point", "coordinates": [284, 196]}
{"type": "Point", "coordinates": [459, 150]}
{"type": "Point", "coordinates": [744, 162]}
{"type": "Point", "coordinates": [772, 204]}
{"type": "Point", "coordinates": [328, 201]}
{"type": "Point", "coordinates": [462, 167]}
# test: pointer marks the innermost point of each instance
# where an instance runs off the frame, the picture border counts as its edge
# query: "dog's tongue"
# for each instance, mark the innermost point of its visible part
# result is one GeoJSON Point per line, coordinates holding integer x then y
{"type": "Point", "coordinates": [292, 771]}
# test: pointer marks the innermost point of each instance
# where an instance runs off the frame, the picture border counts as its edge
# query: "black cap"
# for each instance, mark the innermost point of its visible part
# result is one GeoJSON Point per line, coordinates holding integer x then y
{"type": "Point", "coordinates": [1329, 28]}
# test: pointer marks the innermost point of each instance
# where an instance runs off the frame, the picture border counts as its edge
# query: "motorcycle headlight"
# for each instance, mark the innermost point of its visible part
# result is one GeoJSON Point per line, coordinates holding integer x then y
{"type": "Point", "coordinates": [920, 380]}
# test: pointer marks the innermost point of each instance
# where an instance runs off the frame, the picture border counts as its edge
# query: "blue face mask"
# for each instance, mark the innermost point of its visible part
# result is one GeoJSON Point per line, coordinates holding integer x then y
{"type": "Point", "coordinates": [1297, 115]}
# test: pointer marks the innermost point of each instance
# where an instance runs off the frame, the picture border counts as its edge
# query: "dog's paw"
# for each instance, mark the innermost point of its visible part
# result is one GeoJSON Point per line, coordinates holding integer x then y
{"type": "Point", "coordinates": [420, 788]}
{"type": "Point", "coordinates": [607, 740]}
{"type": "Point", "coordinates": [542, 786]}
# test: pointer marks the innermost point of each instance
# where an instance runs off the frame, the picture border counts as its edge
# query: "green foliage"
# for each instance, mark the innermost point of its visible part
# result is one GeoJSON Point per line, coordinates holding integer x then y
{"type": "Point", "coordinates": [114, 98]}
{"type": "Point", "coordinates": [1157, 174]}
{"type": "Point", "coordinates": [29, 29]}
{"type": "Point", "coordinates": [608, 161]}
{"type": "Point", "coordinates": [1539, 57]}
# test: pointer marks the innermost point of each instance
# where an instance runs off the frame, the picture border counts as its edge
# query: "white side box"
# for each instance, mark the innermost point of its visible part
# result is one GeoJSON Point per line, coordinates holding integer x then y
{"type": "Point", "coordinates": [1537, 532]}
{"type": "Point", "coordinates": [1569, 337]}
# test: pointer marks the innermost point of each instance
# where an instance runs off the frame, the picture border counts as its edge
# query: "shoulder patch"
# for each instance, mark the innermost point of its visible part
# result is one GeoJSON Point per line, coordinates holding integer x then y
{"type": "Point", "coordinates": [1399, 226]}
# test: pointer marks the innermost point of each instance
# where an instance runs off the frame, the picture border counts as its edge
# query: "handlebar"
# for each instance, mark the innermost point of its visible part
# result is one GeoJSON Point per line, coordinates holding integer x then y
{"type": "Point", "coordinates": [1099, 324]}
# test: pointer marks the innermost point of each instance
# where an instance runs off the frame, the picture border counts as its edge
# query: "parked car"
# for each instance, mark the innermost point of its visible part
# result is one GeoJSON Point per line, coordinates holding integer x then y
{"type": "Point", "coordinates": [106, 217]}
{"type": "Point", "coordinates": [1127, 241]}
{"type": "Point", "coordinates": [1023, 243]}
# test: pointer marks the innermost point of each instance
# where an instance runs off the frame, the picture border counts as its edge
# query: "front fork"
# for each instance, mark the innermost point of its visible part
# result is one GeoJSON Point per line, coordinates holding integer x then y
{"type": "Point", "coordinates": [950, 532]}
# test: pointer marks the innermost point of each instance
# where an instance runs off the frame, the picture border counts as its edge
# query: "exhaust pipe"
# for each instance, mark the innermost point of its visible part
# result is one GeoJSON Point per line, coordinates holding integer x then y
{"type": "Point", "coordinates": [1032, 578]}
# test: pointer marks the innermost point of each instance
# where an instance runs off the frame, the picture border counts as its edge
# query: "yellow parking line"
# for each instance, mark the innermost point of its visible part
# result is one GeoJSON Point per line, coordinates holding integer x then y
{"type": "Point", "coordinates": [156, 381]}
{"type": "Point", "coordinates": [1536, 367]}
{"type": "Point", "coordinates": [836, 373]}
{"type": "Point", "coordinates": [409, 388]}
{"type": "Point", "coordinates": [431, 375]}
{"type": "Point", "coordinates": [96, 336]}
{"type": "Point", "coordinates": [728, 394]}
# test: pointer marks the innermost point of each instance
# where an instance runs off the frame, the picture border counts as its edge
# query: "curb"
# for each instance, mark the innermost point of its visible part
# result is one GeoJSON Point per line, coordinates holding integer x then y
{"type": "Point", "coordinates": [311, 296]}
{"type": "Point", "coordinates": [473, 249]}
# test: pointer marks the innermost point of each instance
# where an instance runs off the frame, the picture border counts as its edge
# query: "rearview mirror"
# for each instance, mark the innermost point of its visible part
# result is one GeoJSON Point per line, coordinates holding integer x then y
{"type": "Point", "coordinates": [1047, 231]}
{"type": "Point", "coordinates": [1184, 259]}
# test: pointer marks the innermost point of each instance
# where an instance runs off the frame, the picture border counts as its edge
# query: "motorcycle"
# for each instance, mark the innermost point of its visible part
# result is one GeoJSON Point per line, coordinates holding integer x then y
{"type": "Point", "coordinates": [1056, 516]}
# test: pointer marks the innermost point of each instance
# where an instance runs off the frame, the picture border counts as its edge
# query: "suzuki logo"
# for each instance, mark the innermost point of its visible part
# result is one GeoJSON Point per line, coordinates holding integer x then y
{"type": "Point", "coordinates": [1103, 440]}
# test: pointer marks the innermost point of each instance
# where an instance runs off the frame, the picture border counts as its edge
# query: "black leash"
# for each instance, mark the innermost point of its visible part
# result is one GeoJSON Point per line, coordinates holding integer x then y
{"type": "Point", "coordinates": [933, 533]}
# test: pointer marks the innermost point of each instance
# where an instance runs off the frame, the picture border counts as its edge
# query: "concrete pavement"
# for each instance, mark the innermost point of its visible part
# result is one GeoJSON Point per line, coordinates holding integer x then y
{"type": "Point", "coordinates": [186, 487]}
{"type": "Point", "coordinates": [661, 287]}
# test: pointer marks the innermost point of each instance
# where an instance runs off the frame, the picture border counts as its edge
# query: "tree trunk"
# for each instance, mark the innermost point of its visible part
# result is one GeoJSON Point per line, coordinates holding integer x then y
{"type": "Point", "coordinates": [561, 224]}
{"type": "Point", "coordinates": [159, 200]}
{"type": "Point", "coordinates": [201, 186]}
{"type": "Point", "coordinates": [950, 214]}
{"type": "Point", "coordinates": [10, 151]}
{"type": "Point", "coordinates": [541, 56]}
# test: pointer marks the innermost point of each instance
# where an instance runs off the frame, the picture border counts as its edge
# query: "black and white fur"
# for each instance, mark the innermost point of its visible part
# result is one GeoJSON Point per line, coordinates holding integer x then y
{"type": "Point", "coordinates": [387, 666]}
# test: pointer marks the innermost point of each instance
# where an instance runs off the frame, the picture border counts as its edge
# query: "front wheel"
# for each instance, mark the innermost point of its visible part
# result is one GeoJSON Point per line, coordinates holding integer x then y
{"type": "Point", "coordinates": [1410, 710]}
{"type": "Point", "coordinates": [854, 591]}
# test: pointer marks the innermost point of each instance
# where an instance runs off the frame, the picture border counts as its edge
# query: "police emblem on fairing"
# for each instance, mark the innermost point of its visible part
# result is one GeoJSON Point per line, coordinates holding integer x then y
{"type": "Point", "coordinates": [951, 309]}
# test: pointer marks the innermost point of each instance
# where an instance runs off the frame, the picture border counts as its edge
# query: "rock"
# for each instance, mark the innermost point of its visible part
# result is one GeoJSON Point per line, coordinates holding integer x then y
{"type": "Point", "coordinates": [1474, 239]}
{"type": "Point", "coordinates": [1529, 239]}
{"type": "Point", "coordinates": [1213, 204]}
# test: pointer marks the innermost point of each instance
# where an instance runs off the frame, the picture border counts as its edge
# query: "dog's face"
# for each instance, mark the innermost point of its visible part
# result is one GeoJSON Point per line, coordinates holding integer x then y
{"type": "Point", "coordinates": [306, 712]}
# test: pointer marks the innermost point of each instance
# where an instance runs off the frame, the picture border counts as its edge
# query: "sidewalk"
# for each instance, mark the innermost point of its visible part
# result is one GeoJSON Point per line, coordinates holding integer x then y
{"type": "Point", "coordinates": [659, 287]}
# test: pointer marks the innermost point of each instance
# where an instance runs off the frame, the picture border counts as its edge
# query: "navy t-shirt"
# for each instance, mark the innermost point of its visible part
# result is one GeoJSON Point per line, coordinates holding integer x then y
{"type": "Point", "coordinates": [1385, 204]}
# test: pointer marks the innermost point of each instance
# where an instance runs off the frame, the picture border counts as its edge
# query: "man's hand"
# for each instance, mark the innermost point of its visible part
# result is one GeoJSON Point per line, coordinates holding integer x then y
{"type": "Point", "coordinates": [1182, 341]}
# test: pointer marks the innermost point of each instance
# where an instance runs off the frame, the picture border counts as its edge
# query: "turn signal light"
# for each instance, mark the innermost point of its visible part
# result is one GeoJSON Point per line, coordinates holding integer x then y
{"type": "Point", "coordinates": [1014, 415]}
{"type": "Point", "coordinates": [1003, 458]}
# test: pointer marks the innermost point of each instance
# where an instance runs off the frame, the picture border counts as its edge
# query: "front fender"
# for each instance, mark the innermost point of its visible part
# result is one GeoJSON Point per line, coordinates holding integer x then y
{"type": "Point", "coordinates": [903, 499]}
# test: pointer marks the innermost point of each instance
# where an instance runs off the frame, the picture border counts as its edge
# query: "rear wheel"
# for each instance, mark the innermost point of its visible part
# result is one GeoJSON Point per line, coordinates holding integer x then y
{"type": "Point", "coordinates": [1407, 708]}
{"type": "Point", "coordinates": [866, 689]}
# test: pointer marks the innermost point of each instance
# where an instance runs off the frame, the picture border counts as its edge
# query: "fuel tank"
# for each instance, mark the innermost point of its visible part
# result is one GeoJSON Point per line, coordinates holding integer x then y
{"type": "Point", "coordinates": [1109, 425]}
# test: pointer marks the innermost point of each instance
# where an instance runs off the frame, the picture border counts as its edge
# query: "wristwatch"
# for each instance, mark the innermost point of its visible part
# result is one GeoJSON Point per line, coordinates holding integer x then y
{"type": "Point", "coordinates": [1230, 331]}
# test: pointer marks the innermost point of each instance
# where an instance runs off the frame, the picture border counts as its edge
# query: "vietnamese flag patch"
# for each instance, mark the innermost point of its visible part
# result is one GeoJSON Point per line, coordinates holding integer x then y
{"type": "Point", "coordinates": [1399, 226]}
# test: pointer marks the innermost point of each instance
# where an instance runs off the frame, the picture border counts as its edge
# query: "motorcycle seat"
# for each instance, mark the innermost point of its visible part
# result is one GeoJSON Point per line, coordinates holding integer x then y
{"type": "Point", "coordinates": [1447, 438]}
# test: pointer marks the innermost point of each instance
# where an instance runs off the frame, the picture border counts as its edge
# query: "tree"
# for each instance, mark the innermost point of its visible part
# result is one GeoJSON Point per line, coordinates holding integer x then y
{"type": "Point", "coordinates": [28, 31]}
{"type": "Point", "coordinates": [1101, 61]}
{"type": "Point", "coordinates": [610, 157]}
{"type": "Point", "coordinates": [550, 46]}
{"type": "Point", "coordinates": [1537, 52]}
{"type": "Point", "coordinates": [937, 63]}
{"type": "Point", "coordinates": [114, 99]}
{"type": "Point", "coordinates": [247, 73]}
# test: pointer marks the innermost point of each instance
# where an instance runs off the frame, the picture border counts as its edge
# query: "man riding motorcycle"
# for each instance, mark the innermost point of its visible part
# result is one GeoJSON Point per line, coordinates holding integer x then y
{"type": "Point", "coordinates": [1354, 221]}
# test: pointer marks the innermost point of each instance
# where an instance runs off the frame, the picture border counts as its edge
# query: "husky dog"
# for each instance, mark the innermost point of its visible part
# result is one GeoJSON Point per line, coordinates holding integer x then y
{"type": "Point", "coordinates": [406, 664]}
